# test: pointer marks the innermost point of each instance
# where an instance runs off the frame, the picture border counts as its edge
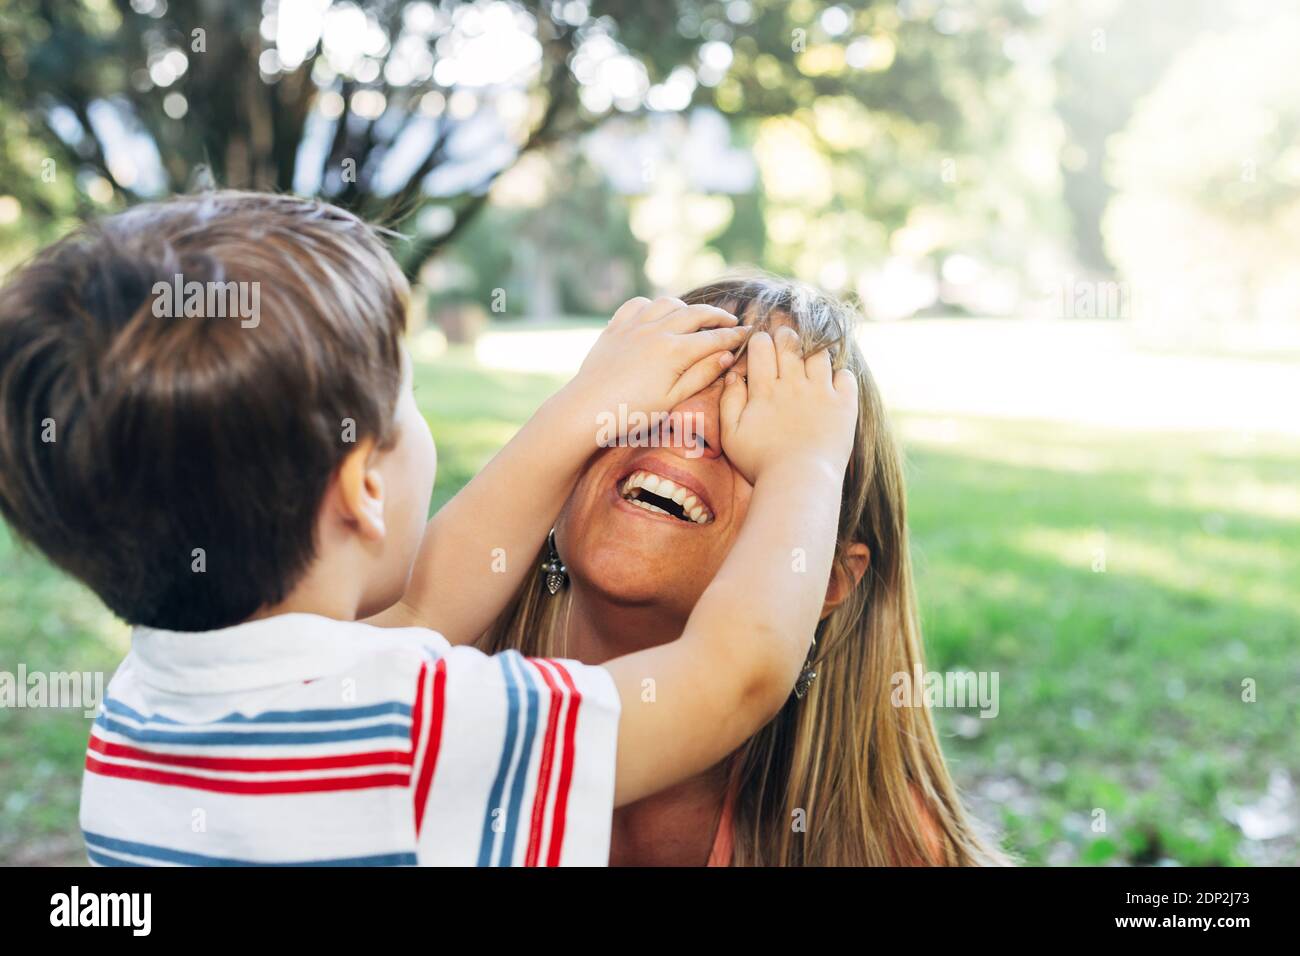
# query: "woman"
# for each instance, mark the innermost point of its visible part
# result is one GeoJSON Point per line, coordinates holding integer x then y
{"type": "Point", "coordinates": [840, 776]}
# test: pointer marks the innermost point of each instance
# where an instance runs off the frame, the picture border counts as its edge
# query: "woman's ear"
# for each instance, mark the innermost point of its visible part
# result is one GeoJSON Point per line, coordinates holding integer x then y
{"type": "Point", "coordinates": [845, 575]}
{"type": "Point", "coordinates": [359, 492]}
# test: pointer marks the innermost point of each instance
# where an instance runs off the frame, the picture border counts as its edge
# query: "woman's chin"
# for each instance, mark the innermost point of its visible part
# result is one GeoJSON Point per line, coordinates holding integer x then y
{"type": "Point", "coordinates": [626, 572]}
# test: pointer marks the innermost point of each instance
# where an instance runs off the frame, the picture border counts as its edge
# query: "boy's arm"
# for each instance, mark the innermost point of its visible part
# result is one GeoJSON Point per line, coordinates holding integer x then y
{"type": "Point", "coordinates": [461, 581]}
{"type": "Point", "coordinates": [790, 433]}
{"type": "Point", "coordinates": [734, 665]}
{"type": "Point", "coordinates": [480, 546]}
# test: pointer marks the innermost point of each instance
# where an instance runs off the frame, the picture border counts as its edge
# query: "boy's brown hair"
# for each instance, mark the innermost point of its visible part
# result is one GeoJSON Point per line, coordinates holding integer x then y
{"type": "Point", "coordinates": [177, 464]}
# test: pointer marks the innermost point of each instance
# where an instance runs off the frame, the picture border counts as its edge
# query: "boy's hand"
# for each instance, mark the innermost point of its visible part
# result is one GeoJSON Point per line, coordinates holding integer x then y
{"type": "Point", "coordinates": [654, 355]}
{"type": "Point", "coordinates": [791, 408]}
{"type": "Point", "coordinates": [790, 432]}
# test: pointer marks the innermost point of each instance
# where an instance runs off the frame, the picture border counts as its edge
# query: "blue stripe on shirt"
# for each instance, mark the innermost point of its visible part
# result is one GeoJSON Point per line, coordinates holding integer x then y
{"type": "Point", "coordinates": [148, 735]}
{"type": "Point", "coordinates": [488, 840]}
{"type": "Point", "coordinates": [102, 859]}
{"type": "Point", "coordinates": [520, 769]}
{"type": "Point", "coordinates": [392, 708]}
{"type": "Point", "coordinates": [103, 844]}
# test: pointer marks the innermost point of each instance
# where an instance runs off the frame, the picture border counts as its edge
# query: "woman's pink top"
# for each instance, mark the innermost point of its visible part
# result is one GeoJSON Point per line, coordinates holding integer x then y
{"type": "Point", "coordinates": [723, 840]}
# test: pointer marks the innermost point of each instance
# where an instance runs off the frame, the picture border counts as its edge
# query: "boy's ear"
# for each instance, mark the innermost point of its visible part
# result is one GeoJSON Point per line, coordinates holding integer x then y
{"type": "Point", "coordinates": [845, 575]}
{"type": "Point", "coordinates": [359, 492]}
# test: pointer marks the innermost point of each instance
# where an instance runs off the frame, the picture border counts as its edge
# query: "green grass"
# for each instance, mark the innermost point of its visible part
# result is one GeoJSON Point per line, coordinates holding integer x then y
{"type": "Point", "coordinates": [1120, 690]}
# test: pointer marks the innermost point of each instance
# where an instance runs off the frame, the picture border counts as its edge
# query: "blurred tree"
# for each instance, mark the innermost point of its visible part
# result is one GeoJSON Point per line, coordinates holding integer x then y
{"type": "Point", "coordinates": [1206, 220]}
{"type": "Point", "coordinates": [1111, 54]}
{"type": "Point", "coordinates": [407, 112]}
{"type": "Point", "coordinates": [914, 134]}
{"type": "Point", "coordinates": [553, 241]}
{"type": "Point", "coordinates": [364, 103]}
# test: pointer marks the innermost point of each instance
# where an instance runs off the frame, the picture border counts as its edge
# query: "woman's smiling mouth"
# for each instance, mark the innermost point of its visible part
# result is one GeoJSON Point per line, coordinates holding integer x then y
{"type": "Point", "coordinates": [659, 495]}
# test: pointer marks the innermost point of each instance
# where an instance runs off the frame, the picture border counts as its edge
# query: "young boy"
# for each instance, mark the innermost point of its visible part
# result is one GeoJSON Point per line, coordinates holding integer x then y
{"type": "Point", "coordinates": [208, 418]}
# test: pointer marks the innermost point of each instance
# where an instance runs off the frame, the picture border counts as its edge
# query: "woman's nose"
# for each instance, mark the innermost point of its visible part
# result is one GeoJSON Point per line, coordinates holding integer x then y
{"type": "Point", "coordinates": [693, 429]}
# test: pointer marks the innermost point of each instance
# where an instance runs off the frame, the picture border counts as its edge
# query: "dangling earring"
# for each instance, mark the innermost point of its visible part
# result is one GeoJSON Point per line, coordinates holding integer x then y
{"type": "Point", "coordinates": [554, 573]}
{"type": "Point", "coordinates": [807, 675]}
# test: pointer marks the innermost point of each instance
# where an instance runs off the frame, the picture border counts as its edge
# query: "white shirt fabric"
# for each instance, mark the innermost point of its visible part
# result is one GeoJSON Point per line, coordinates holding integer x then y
{"type": "Point", "coordinates": [304, 741]}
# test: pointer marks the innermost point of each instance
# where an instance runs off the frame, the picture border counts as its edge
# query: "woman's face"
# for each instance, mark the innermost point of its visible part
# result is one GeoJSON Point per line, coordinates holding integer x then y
{"type": "Point", "coordinates": [632, 555]}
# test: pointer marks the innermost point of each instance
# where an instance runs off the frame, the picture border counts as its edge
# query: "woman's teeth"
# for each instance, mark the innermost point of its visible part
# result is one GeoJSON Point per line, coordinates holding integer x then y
{"type": "Point", "coordinates": [650, 491]}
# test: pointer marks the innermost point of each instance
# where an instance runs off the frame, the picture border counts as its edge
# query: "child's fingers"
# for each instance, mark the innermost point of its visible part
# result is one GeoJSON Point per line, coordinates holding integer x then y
{"type": "Point", "coordinates": [663, 306]}
{"type": "Point", "coordinates": [696, 345]}
{"type": "Point", "coordinates": [630, 308]}
{"type": "Point", "coordinates": [734, 398]}
{"type": "Point", "coordinates": [761, 371]}
{"type": "Point", "coordinates": [700, 376]}
{"type": "Point", "coordinates": [818, 367]}
{"type": "Point", "coordinates": [789, 356]}
{"type": "Point", "coordinates": [696, 317]}
{"type": "Point", "coordinates": [846, 384]}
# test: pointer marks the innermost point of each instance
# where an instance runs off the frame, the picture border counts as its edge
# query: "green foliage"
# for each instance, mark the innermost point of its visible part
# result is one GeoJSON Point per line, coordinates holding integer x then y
{"type": "Point", "coordinates": [574, 254]}
{"type": "Point", "coordinates": [909, 130]}
{"type": "Point", "coordinates": [212, 90]}
{"type": "Point", "coordinates": [882, 94]}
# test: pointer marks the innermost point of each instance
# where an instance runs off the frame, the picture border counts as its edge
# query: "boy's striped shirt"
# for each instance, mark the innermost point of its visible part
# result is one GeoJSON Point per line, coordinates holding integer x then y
{"type": "Point", "coordinates": [303, 741]}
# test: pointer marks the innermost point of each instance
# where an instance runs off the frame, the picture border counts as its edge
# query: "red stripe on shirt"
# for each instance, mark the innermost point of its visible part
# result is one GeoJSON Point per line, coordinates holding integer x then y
{"type": "Point", "coordinates": [536, 825]}
{"type": "Point", "coordinates": [250, 764]}
{"type": "Point", "coordinates": [248, 787]}
{"type": "Point", "coordinates": [432, 743]}
{"type": "Point", "coordinates": [566, 766]}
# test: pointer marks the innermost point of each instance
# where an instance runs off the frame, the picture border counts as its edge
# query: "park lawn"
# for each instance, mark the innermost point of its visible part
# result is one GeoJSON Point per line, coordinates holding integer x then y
{"type": "Point", "coordinates": [1122, 587]}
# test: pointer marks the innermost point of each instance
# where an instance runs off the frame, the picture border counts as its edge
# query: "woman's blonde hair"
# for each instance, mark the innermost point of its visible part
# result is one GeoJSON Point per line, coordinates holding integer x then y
{"type": "Point", "coordinates": [841, 777]}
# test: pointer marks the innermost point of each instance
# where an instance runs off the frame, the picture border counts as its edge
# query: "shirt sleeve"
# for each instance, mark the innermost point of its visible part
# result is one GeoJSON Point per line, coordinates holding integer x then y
{"type": "Point", "coordinates": [513, 763]}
